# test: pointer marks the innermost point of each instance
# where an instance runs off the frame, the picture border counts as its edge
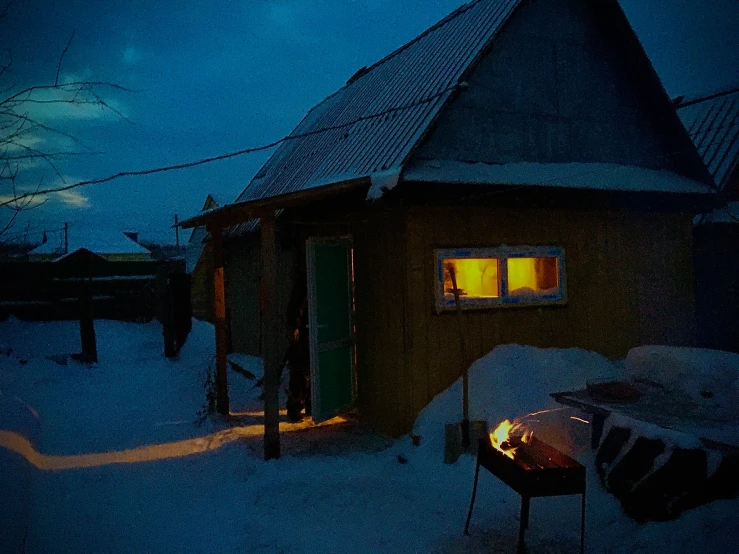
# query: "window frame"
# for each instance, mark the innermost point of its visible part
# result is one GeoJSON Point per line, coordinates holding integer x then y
{"type": "Point", "coordinates": [502, 254]}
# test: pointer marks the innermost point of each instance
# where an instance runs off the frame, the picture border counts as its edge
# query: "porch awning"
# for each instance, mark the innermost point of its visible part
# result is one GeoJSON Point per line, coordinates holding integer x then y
{"type": "Point", "coordinates": [239, 212]}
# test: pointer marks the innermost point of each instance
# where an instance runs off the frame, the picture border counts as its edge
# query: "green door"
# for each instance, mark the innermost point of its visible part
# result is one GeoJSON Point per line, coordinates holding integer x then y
{"type": "Point", "coordinates": [330, 306]}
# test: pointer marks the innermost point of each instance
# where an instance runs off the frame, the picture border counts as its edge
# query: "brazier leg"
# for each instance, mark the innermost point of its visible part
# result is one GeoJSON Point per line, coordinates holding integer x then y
{"type": "Point", "coordinates": [582, 526]}
{"type": "Point", "coordinates": [524, 523]}
{"type": "Point", "coordinates": [472, 502]}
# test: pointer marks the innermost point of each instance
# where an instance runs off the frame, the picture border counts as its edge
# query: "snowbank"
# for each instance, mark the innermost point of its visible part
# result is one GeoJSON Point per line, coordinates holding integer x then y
{"type": "Point", "coordinates": [511, 382]}
{"type": "Point", "coordinates": [701, 376]}
{"type": "Point", "coordinates": [227, 499]}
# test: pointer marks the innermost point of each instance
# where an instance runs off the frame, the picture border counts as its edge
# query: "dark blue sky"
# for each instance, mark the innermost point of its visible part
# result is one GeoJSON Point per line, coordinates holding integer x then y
{"type": "Point", "coordinates": [220, 76]}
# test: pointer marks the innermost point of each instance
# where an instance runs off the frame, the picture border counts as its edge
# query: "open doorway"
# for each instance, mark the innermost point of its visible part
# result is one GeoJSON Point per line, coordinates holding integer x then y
{"type": "Point", "coordinates": [330, 284]}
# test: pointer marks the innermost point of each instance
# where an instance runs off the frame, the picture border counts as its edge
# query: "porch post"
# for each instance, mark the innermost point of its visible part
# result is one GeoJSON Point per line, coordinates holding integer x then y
{"type": "Point", "coordinates": [272, 342]}
{"type": "Point", "coordinates": [219, 305]}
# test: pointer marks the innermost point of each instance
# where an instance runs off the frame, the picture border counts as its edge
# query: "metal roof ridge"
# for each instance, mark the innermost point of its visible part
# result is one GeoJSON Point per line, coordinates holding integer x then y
{"type": "Point", "coordinates": [363, 71]}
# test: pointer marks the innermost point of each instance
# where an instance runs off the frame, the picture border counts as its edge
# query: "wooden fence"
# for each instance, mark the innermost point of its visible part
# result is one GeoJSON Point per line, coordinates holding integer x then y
{"type": "Point", "coordinates": [126, 291]}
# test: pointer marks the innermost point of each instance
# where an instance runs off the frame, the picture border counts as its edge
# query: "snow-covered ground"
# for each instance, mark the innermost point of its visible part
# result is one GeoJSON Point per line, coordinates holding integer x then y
{"type": "Point", "coordinates": [110, 458]}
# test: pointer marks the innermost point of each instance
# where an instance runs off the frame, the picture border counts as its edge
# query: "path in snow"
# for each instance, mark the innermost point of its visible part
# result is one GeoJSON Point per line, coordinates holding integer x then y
{"type": "Point", "coordinates": [229, 500]}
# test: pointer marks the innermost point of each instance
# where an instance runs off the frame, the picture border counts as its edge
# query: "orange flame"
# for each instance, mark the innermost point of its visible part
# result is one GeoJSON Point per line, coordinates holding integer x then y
{"type": "Point", "coordinates": [508, 433]}
{"type": "Point", "coordinates": [502, 434]}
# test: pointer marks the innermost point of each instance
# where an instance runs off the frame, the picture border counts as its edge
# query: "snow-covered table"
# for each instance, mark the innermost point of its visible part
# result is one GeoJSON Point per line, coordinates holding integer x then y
{"type": "Point", "coordinates": [661, 455]}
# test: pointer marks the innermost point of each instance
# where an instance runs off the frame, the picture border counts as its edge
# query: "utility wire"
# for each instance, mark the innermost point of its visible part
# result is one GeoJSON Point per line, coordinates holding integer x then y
{"type": "Point", "coordinates": [287, 138]}
{"type": "Point", "coordinates": [268, 146]}
{"type": "Point", "coordinates": [685, 104]}
{"type": "Point", "coordinates": [236, 153]}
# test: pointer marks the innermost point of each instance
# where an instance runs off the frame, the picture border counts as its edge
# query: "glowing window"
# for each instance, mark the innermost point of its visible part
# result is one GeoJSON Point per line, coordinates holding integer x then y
{"type": "Point", "coordinates": [476, 277]}
{"type": "Point", "coordinates": [487, 277]}
{"type": "Point", "coordinates": [533, 276]}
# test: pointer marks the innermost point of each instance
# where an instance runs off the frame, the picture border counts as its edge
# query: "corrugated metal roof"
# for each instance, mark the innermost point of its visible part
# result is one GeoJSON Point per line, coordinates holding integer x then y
{"type": "Point", "coordinates": [356, 141]}
{"type": "Point", "coordinates": [241, 229]}
{"type": "Point", "coordinates": [713, 124]}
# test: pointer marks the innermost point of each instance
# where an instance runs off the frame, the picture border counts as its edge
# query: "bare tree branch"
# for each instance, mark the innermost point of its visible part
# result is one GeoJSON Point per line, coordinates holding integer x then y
{"type": "Point", "coordinates": [38, 125]}
{"type": "Point", "coordinates": [10, 222]}
{"type": "Point", "coordinates": [61, 58]}
{"type": "Point", "coordinates": [7, 65]}
{"type": "Point", "coordinates": [14, 98]}
{"type": "Point", "coordinates": [24, 132]}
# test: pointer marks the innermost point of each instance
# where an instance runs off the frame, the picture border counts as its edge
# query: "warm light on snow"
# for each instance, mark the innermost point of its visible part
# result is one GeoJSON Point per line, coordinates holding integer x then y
{"type": "Point", "coordinates": [149, 453]}
{"type": "Point", "coordinates": [76, 479]}
{"type": "Point", "coordinates": [255, 413]}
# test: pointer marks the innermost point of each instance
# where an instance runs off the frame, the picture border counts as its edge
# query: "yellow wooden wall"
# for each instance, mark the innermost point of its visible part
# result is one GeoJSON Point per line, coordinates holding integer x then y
{"type": "Point", "coordinates": [629, 282]}
{"type": "Point", "coordinates": [379, 267]}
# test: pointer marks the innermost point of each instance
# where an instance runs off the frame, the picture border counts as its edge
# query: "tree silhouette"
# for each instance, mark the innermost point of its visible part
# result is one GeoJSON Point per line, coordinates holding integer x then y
{"type": "Point", "coordinates": [30, 144]}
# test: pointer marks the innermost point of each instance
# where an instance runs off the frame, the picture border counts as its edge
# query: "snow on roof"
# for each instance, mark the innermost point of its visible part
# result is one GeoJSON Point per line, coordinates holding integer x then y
{"type": "Point", "coordinates": [195, 247]}
{"type": "Point", "coordinates": [212, 201]}
{"type": "Point", "coordinates": [723, 214]}
{"type": "Point", "coordinates": [596, 176]}
{"type": "Point", "coordinates": [97, 242]}
{"type": "Point", "coordinates": [713, 124]}
{"type": "Point", "coordinates": [419, 77]}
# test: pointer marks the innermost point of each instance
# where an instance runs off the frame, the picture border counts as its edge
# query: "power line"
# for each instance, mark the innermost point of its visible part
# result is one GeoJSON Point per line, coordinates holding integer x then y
{"type": "Point", "coordinates": [685, 104]}
{"type": "Point", "coordinates": [254, 149]}
{"type": "Point", "coordinates": [268, 146]}
{"type": "Point", "coordinates": [203, 161]}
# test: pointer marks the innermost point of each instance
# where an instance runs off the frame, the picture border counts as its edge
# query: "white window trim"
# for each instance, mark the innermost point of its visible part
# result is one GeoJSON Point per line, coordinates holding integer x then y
{"type": "Point", "coordinates": [502, 253]}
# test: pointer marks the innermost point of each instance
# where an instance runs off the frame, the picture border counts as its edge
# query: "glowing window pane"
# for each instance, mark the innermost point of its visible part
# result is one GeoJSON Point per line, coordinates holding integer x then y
{"type": "Point", "coordinates": [533, 276]}
{"type": "Point", "coordinates": [476, 277]}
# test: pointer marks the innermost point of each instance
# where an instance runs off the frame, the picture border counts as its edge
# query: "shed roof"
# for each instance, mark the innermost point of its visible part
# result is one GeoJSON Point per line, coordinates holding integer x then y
{"type": "Point", "coordinates": [372, 123]}
{"type": "Point", "coordinates": [370, 127]}
{"type": "Point", "coordinates": [96, 242]}
{"type": "Point", "coordinates": [712, 122]}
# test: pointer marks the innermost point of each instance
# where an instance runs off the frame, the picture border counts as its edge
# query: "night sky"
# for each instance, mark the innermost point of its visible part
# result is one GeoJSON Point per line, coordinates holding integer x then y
{"type": "Point", "coordinates": [214, 77]}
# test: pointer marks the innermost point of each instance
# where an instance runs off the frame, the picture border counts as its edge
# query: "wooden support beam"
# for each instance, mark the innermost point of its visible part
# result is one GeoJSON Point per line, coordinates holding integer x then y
{"type": "Point", "coordinates": [219, 304]}
{"type": "Point", "coordinates": [272, 339]}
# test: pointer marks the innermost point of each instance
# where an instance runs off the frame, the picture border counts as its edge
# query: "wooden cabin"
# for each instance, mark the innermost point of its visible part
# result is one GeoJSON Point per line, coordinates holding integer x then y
{"type": "Point", "coordinates": [712, 121]}
{"type": "Point", "coordinates": [528, 147]}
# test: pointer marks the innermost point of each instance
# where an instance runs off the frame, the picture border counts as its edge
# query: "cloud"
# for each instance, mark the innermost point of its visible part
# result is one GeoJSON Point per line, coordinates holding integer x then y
{"type": "Point", "coordinates": [21, 153]}
{"type": "Point", "coordinates": [68, 198]}
{"type": "Point", "coordinates": [288, 20]}
{"type": "Point", "coordinates": [131, 55]}
{"type": "Point", "coordinates": [37, 149]}
{"type": "Point", "coordinates": [70, 102]}
{"type": "Point", "coordinates": [72, 198]}
{"type": "Point", "coordinates": [26, 202]}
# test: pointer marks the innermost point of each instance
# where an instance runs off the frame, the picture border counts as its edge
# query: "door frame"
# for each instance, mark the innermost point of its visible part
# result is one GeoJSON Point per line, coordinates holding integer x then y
{"type": "Point", "coordinates": [314, 350]}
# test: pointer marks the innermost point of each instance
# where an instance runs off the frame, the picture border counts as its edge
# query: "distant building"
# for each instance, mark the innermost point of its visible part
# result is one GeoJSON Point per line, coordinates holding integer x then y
{"type": "Point", "coordinates": [117, 274]}
{"type": "Point", "coordinates": [712, 120]}
{"type": "Point", "coordinates": [199, 264]}
{"type": "Point", "coordinates": [111, 246]}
